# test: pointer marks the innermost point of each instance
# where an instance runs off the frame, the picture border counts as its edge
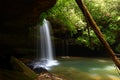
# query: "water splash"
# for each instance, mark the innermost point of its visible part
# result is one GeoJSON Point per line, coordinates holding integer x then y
{"type": "Point", "coordinates": [46, 57]}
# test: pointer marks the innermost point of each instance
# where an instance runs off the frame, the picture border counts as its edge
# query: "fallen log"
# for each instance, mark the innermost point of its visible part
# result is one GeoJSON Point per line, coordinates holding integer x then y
{"type": "Point", "coordinates": [92, 23]}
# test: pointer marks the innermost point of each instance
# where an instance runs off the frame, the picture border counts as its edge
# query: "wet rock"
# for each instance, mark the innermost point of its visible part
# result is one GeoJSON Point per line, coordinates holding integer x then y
{"type": "Point", "coordinates": [40, 70]}
{"type": "Point", "coordinates": [48, 76]}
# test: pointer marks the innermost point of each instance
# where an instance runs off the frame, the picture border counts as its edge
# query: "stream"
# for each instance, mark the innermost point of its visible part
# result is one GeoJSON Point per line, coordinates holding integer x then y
{"type": "Point", "coordinates": [72, 68]}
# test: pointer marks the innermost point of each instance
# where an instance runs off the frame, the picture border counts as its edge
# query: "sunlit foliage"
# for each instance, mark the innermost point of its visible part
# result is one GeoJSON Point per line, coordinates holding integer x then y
{"type": "Point", "coordinates": [105, 12]}
{"type": "Point", "coordinates": [68, 13]}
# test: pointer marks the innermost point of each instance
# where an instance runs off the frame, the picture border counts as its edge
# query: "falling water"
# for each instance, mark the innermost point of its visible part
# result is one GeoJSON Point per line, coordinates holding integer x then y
{"type": "Point", "coordinates": [46, 42]}
{"type": "Point", "coordinates": [46, 57]}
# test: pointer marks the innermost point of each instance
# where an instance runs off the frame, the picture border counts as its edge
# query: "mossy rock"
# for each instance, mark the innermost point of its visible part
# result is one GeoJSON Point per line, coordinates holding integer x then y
{"type": "Point", "coordinates": [21, 67]}
{"type": "Point", "coordinates": [13, 75]}
{"type": "Point", "coordinates": [18, 71]}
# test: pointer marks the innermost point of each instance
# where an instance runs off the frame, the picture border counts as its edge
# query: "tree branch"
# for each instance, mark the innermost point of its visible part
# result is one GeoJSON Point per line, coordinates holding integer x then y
{"type": "Point", "coordinates": [97, 31]}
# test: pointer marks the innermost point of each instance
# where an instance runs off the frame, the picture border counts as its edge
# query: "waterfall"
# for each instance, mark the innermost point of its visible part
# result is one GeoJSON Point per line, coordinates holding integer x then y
{"type": "Point", "coordinates": [45, 57]}
{"type": "Point", "coordinates": [46, 42]}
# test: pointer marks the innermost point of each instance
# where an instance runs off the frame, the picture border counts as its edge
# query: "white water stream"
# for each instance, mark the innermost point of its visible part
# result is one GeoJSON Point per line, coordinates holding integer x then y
{"type": "Point", "coordinates": [46, 57]}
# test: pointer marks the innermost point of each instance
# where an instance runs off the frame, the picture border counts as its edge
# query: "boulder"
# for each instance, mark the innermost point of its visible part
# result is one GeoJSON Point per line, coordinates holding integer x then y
{"type": "Point", "coordinates": [18, 71]}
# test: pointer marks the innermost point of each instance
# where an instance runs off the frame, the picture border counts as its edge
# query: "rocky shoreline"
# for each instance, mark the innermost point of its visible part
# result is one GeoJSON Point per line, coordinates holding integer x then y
{"type": "Point", "coordinates": [19, 71]}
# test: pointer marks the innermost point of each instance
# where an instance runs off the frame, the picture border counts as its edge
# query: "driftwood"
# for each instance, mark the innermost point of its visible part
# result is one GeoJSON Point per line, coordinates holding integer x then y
{"type": "Point", "coordinates": [97, 31]}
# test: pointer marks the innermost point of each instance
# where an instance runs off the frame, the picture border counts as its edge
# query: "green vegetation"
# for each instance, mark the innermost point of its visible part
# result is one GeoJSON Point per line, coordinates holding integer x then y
{"type": "Point", "coordinates": [105, 12]}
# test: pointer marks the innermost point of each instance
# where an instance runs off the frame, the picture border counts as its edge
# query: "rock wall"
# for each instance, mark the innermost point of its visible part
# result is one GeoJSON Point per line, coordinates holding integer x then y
{"type": "Point", "coordinates": [16, 19]}
{"type": "Point", "coordinates": [20, 14]}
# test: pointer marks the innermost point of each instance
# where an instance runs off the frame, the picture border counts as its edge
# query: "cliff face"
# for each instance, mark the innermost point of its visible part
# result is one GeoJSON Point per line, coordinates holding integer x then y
{"type": "Point", "coordinates": [17, 15]}
{"type": "Point", "coordinates": [16, 18]}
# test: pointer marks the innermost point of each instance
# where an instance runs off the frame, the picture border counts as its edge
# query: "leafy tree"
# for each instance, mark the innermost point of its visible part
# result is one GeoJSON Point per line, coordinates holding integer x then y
{"type": "Point", "coordinates": [105, 13]}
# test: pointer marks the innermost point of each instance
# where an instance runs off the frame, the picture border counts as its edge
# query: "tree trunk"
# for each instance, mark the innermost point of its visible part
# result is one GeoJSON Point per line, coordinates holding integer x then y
{"type": "Point", "coordinates": [97, 31]}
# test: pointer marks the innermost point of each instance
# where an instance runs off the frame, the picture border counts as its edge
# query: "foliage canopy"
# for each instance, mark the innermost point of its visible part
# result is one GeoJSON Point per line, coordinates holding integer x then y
{"type": "Point", "coordinates": [105, 12]}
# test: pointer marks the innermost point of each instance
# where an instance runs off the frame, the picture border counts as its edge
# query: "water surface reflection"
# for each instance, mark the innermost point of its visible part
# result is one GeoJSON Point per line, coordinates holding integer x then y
{"type": "Point", "coordinates": [87, 69]}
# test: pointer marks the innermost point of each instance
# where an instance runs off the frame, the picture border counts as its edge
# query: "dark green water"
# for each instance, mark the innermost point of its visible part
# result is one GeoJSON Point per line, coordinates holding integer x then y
{"type": "Point", "coordinates": [87, 69]}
